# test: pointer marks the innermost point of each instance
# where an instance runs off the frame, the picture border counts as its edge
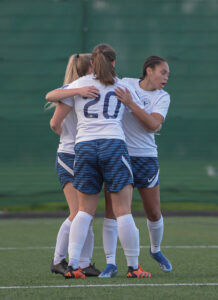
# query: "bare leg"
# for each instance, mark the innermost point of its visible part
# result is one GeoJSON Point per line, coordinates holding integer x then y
{"type": "Point", "coordinates": [121, 201]}
{"type": "Point", "coordinates": [151, 202]}
{"type": "Point", "coordinates": [71, 196]}
{"type": "Point", "coordinates": [109, 214]}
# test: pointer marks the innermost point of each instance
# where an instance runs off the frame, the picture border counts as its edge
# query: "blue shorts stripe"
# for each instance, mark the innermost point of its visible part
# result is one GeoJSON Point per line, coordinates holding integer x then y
{"type": "Point", "coordinates": [64, 167]}
{"type": "Point", "coordinates": [99, 161]}
{"type": "Point", "coordinates": [145, 171]}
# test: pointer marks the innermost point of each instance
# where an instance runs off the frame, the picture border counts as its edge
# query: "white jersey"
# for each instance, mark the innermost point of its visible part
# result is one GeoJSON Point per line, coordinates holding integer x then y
{"type": "Point", "coordinates": [68, 134]}
{"type": "Point", "coordinates": [139, 141]}
{"type": "Point", "coordinates": [98, 118]}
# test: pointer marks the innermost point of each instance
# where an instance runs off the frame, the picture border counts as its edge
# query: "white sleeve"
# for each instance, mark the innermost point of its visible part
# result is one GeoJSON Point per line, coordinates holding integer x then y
{"type": "Point", "coordinates": [161, 106]}
{"type": "Point", "coordinates": [135, 97]}
{"type": "Point", "coordinates": [69, 101]}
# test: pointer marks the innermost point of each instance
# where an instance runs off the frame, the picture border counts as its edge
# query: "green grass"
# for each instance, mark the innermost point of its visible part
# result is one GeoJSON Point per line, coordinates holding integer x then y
{"type": "Point", "coordinates": [61, 206]}
{"type": "Point", "coordinates": [30, 267]}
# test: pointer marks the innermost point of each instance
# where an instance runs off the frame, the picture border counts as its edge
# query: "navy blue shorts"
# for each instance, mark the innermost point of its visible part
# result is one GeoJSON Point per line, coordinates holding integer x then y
{"type": "Point", "coordinates": [64, 167]}
{"type": "Point", "coordinates": [145, 171]}
{"type": "Point", "coordinates": [102, 160]}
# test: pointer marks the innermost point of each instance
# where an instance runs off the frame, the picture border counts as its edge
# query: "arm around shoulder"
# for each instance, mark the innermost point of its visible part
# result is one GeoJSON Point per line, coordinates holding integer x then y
{"type": "Point", "coordinates": [60, 94]}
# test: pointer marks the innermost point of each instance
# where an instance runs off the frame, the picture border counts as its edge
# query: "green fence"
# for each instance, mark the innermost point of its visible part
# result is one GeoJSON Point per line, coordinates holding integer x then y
{"type": "Point", "coordinates": [37, 37]}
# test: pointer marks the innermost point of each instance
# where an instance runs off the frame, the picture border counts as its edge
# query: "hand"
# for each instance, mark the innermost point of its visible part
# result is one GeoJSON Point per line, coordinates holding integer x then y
{"type": "Point", "coordinates": [89, 92]}
{"type": "Point", "coordinates": [124, 96]}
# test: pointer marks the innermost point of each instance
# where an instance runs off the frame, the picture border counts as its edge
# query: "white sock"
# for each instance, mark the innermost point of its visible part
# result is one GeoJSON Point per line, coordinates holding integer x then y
{"type": "Point", "coordinates": [78, 233]}
{"type": "Point", "coordinates": [110, 233]}
{"type": "Point", "coordinates": [62, 242]}
{"type": "Point", "coordinates": [87, 250]}
{"type": "Point", "coordinates": [155, 230]}
{"type": "Point", "coordinates": [129, 239]}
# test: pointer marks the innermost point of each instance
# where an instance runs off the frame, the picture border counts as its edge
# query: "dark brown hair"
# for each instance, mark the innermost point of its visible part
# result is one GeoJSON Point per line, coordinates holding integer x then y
{"type": "Point", "coordinates": [151, 62]}
{"type": "Point", "coordinates": [102, 57]}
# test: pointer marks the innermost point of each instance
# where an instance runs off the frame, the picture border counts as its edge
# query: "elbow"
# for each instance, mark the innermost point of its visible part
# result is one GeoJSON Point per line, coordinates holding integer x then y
{"type": "Point", "coordinates": [47, 97]}
{"type": "Point", "coordinates": [154, 128]}
{"type": "Point", "coordinates": [53, 125]}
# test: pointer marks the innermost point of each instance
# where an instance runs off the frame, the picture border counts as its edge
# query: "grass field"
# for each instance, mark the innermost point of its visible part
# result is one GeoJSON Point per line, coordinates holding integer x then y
{"type": "Point", "coordinates": [191, 243]}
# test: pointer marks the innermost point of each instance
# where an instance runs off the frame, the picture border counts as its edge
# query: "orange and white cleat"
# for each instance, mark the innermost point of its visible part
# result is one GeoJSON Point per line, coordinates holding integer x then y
{"type": "Point", "coordinates": [137, 273]}
{"type": "Point", "coordinates": [71, 273]}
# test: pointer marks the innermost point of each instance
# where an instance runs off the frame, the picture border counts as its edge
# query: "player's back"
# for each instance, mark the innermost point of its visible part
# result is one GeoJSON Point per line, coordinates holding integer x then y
{"type": "Point", "coordinates": [99, 117]}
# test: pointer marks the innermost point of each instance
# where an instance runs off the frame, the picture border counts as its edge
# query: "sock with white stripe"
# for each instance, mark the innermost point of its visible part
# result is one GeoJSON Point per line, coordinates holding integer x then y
{"type": "Point", "coordinates": [62, 242]}
{"type": "Point", "coordinates": [129, 239]}
{"type": "Point", "coordinates": [87, 250]}
{"type": "Point", "coordinates": [78, 233]}
{"type": "Point", "coordinates": [155, 230]}
{"type": "Point", "coordinates": [110, 234]}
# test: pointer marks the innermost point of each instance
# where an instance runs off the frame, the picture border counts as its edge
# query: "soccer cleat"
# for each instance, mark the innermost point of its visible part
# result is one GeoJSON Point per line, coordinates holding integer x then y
{"type": "Point", "coordinates": [109, 272]}
{"type": "Point", "coordinates": [71, 273]}
{"type": "Point", "coordinates": [91, 271]}
{"type": "Point", "coordinates": [164, 263]}
{"type": "Point", "coordinates": [137, 273]}
{"type": "Point", "coordinates": [59, 268]}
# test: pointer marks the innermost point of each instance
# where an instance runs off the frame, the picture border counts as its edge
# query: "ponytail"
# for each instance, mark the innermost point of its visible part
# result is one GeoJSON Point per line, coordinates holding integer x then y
{"type": "Point", "coordinates": [102, 57]}
{"type": "Point", "coordinates": [78, 66]}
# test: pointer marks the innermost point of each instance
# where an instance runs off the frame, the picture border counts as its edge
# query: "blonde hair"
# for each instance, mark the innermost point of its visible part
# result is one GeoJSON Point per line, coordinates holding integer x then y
{"type": "Point", "coordinates": [78, 65]}
{"type": "Point", "coordinates": [102, 57]}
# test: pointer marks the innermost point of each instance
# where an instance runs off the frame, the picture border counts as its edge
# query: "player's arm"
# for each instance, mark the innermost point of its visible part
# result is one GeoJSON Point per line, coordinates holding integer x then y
{"type": "Point", "coordinates": [151, 122]}
{"type": "Point", "coordinates": [60, 94]}
{"type": "Point", "coordinates": [59, 115]}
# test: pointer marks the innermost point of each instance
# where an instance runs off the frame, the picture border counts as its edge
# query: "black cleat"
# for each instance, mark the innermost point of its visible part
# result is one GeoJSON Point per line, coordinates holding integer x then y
{"type": "Point", "coordinates": [59, 268]}
{"type": "Point", "coordinates": [91, 271]}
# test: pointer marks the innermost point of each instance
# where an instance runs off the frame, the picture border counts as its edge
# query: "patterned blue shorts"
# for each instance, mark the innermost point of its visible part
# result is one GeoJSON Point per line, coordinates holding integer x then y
{"type": "Point", "coordinates": [145, 171]}
{"type": "Point", "coordinates": [64, 167]}
{"type": "Point", "coordinates": [102, 160]}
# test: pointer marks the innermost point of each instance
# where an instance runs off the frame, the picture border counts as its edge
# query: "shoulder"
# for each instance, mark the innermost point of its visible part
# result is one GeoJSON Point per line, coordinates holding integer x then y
{"type": "Point", "coordinates": [86, 77]}
{"type": "Point", "coordinates": [69, 85]}
{"type": "Point", "coordinates": [131, 81]}
{"type": "Point", "coordinates": [126, 82]}
{"type": "Point", "coordinates": [162, 94]}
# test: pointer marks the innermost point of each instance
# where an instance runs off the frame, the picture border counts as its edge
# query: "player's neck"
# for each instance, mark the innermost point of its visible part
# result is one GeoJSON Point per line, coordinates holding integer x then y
{"type": "Point", "coordinates": [146, 85]}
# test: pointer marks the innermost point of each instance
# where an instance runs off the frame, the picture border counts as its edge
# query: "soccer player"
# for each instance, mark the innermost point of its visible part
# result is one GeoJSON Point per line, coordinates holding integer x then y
{"type": "Point", "coordinates": [101, 155]}
{"type": "Point", "coordinates": [78, 65]}
{"type": "Point", "coordinates": [139, 125]}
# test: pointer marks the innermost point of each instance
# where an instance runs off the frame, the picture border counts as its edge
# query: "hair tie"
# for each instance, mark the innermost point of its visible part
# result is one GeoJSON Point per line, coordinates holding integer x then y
{"type": "Point", "coordinates": [100, 51]}
{"type": "Point", "coordinates": [77, 56]}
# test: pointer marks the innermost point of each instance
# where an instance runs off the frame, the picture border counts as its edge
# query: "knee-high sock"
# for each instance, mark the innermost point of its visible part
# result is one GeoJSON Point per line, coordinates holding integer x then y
{"type": "Point", "coordinates": [110, 233]}
{"type": "Point", "coordinates": [78, 233]}
{"type": "Point", "coordinates": [129, 239]}
{"type": "Point", "coordinates": [87, 250]}
{"type": "Point", "coordinates": [62, 242]}
{"type": "Point", "coordinates": [156, 234]}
